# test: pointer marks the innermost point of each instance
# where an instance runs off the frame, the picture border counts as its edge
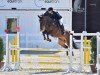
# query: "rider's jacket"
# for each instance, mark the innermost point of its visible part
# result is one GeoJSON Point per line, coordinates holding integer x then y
{"type": "Point", "coordinates": [54, 16]}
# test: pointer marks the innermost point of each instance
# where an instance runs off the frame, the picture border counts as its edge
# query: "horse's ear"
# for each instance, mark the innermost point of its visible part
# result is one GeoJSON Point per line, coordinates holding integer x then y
{"type": "Point", "coordinates": [39, 16]}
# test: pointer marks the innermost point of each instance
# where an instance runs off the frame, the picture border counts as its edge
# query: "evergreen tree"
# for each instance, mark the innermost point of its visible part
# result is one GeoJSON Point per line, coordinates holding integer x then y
{"type": "Point", "coordinates": [1, 49]}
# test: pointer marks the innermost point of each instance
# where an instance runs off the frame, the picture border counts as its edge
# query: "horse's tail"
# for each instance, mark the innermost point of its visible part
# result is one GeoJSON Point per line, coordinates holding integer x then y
{"type": "Point", "coordinates": [74, 45]}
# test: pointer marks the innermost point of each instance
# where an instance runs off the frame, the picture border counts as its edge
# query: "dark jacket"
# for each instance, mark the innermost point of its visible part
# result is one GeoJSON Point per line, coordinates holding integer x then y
{"type": "Point", "coordinates": [54, 16]}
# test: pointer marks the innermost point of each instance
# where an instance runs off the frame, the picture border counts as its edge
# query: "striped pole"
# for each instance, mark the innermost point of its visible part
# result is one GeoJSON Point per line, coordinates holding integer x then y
{"type": "Point", "coordinates": [87, 48]}
{"type": "Point", "coordinates": [14, 52]}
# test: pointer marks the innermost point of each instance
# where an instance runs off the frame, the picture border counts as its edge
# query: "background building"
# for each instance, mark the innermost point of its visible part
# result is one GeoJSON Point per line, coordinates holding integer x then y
{"type": "Point", "coordinates": [92, 15]}
{"type": "Point", "coordinates": [24, 13]}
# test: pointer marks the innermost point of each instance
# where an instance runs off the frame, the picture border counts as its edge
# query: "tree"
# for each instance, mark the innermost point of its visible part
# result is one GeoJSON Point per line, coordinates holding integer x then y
{"type": "Point", "coordinates": [93, 49]}
{"type": "Point", "coordinates": [1, 49]}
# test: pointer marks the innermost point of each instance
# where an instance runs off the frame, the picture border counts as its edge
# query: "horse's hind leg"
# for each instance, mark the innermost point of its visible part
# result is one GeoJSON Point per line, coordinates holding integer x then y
{"type": "Point", "coordinates": [48, 39]}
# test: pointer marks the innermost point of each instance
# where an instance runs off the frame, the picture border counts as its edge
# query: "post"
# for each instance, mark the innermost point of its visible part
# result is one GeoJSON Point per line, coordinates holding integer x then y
{"type": "Point", "coordinates": [17, 65]}
{"type": "Point", "coordinates": [7, 66]}
{"type": "Point", "coordinates": [88, 52]}
{"type": "Point", "coordinates": [7, 50]}
{"type": "Point", "coordinates": [81, 53]}
{"type": "Point", "coordinates": [98, 53]}
{"type": "Point", "coordinates": [85, 19]}
{"type": "Point", "coordinates": [71, 51]}
{"type": "Point", "coordinates": [71, 58]}
{"type": "Point", "coordinates": [87, 48]}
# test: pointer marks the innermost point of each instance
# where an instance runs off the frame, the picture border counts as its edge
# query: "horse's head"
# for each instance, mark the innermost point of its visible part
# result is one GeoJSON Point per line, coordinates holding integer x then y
{"type": "Point", "coordinates": [41, 22]}
{"type": "Point", "coordinates": [44, 22]}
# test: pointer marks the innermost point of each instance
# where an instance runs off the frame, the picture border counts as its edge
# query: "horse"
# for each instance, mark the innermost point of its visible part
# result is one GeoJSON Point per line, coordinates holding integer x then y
{"type": "Point", "coordinates": [50, 27]}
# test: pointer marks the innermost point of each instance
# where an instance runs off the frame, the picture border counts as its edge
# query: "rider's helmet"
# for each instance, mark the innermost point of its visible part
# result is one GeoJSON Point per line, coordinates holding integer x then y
{"type": "Point", "coordinates": [50, 9]}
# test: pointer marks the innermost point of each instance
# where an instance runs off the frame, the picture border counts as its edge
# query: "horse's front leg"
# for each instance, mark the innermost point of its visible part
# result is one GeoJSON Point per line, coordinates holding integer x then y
{"type": "Point", "coordinates": [44, 35]}
{"type": "Point", "coordinates": [48, 39]}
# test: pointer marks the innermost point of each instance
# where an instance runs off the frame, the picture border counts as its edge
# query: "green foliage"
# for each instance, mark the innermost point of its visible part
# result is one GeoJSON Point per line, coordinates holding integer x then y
{"type": "Point", "coordinates": [1, 49]}
{"type": "Point", "coordinates": [93, 49]}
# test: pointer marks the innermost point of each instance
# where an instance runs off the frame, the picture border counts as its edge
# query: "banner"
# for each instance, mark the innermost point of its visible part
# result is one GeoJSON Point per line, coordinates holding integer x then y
{"type": "Point", "coordinates": [35, 4]}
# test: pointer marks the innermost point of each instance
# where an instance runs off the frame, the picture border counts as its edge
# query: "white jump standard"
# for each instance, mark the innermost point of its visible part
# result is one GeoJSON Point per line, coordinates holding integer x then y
{"type": "Point", "coordinates": [16, 47]}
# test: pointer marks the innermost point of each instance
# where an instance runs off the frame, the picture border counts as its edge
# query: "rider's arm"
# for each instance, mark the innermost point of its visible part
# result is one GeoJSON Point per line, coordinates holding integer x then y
{"type": "Point", "coordinates": [57, 15]}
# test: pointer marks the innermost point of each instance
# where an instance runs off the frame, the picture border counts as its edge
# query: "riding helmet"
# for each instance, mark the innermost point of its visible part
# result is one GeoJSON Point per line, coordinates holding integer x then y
{"type": "Point", "coordinates": [49, 9]}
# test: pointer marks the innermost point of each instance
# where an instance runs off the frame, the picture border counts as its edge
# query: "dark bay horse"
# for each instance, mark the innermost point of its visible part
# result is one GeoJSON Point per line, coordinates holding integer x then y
{"type": "Point", "coordinates": [49, 27]}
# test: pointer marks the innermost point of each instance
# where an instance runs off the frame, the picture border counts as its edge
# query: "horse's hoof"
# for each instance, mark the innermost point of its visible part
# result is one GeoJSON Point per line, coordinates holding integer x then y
{"type": "Point", "coordinates": [49, 40]}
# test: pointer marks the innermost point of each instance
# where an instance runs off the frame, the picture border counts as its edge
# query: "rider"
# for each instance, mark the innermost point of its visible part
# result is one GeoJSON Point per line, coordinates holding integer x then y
{"type": "Point", "coordinates": [55, 16]}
